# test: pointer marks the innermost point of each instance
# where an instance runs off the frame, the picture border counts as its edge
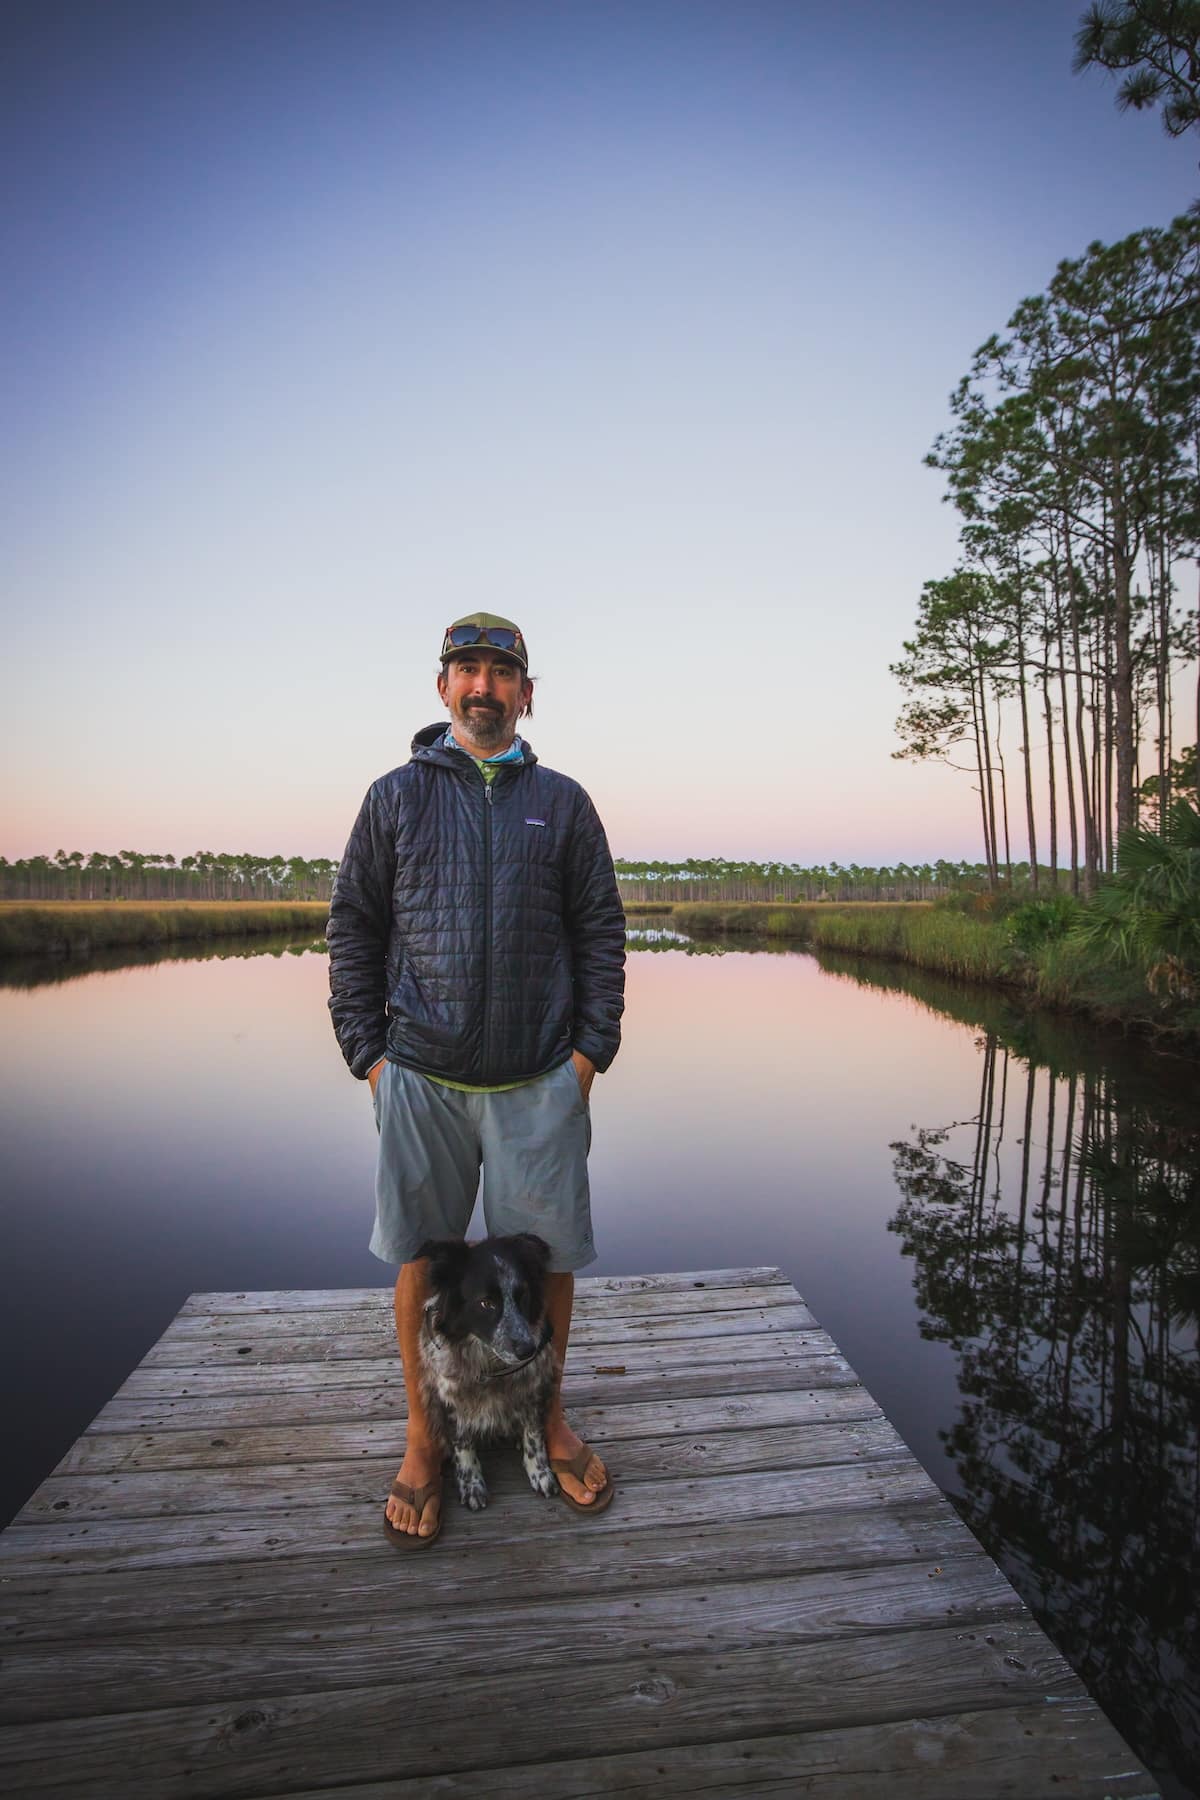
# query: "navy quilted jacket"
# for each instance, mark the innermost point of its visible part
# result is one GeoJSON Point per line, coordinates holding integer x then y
{"type": "Point", "coordinates": [476, 931]}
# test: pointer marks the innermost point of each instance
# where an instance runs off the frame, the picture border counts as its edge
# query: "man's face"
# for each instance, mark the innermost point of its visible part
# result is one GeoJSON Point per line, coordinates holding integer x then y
{"type": "Point", "coordinates": [483, 691]}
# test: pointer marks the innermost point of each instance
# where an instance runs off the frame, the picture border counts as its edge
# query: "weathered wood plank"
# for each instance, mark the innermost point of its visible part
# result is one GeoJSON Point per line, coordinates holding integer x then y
{"type": "Point", "coordinates": [351, 1581]}
{"type": "Point", "coordinates": [341, 1508]}
{"type": "Point", "coordinates": [645, 1469]}
{"type": "Point", "coordinates": [164, 1399]}
{"type": "Point", "coordinates": [176, 1351]}
{"type": "Point", "coordinates": [727, 1425]}
{"type": "Point", "coordinates": [650, 1303]}
{"type": "Point", "coordinates": [668, 1280]}
{"type": "Point", "coordinates": [584, 1351]}
{"type": "Point", "coordinates": [337, 1299]}
{"type": "Point", "coordinates": [697, 1403]}
{"type": "Point", "coordinates": [260, 1744]}
{"type": "Point", "coordinates": [1022, 1753]}
{"type": "Point", "coordinates": [164, 1668]}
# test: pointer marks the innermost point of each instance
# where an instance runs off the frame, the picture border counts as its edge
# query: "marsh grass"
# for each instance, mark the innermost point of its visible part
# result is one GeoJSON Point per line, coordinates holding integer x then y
{"type": "Point", "coordinates": [76, 928]}
{"type": "Point", "coordinates": [952, 943]}
{"type": "Point", "coordinates": [763, 918]}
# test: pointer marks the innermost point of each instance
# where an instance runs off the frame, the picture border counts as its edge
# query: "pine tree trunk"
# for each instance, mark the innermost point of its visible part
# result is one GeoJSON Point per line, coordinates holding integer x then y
{"type": "Point", "coordinates": [1090, 858]}
{"type": "Point", "coordinates": [1123, 679]}
{"type": "Point", "coordinates": [980, 763]}
{"type": "Point", "coordinates": [1068, 771]}
{"type": "Point", "coordinates": [1162, 681]}
{"type": "Point", "coordinates": [1033, 860]}
{"type": "Point", "coordinates": [988, 790]}
{"type": "Point", "coordinates": [1099, 739]}
{"type": "Point", "coordinates": [1109, 848]}
{"type": "Point", "coordinates": [1004, 804]}
{"type": "Point", "coordinates": [1048, 710]}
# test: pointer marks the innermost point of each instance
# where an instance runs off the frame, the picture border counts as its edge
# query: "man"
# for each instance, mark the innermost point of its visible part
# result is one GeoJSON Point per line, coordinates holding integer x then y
{"type": "Point", "coordinates": [476, 967]}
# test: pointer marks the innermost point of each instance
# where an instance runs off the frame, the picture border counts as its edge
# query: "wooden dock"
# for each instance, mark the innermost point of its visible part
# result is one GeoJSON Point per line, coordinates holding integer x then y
{"type": "Point", "coordinates": [200, 1600]}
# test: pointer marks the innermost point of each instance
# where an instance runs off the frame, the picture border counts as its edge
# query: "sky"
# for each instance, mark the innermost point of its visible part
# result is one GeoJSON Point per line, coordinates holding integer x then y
{"type": "Point", "coordinates": [326, 323]}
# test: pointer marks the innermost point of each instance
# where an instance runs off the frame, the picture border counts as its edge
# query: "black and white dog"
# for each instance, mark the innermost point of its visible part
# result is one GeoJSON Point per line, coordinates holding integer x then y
{"type": "Point", "coordinates": [487, 1363]}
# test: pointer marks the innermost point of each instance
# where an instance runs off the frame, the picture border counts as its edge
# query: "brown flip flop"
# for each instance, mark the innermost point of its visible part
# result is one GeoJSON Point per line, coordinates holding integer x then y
{"type": "Point", "coordinates": [576, 1465]}
{"type": "Point", "coordinates": [409, 1540]}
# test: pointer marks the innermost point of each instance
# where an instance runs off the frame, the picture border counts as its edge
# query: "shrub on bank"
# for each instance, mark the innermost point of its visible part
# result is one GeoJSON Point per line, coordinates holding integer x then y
{"type": "Point", "coordinates": [1147, 915]}
{"type": "Point", "coordinates": [1038, 922]}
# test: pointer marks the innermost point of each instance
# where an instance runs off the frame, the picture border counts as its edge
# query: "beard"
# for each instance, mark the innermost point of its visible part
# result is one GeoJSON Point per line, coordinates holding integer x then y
{"type": "Point", "coordinates": [484, 726]}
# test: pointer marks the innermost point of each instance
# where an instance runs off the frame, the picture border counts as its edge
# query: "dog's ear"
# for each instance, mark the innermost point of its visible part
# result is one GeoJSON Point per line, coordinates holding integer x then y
{"type": "Point", "coordinates": [532, 1255]}
{"type": "Point", "coordinates": [447, 1258]}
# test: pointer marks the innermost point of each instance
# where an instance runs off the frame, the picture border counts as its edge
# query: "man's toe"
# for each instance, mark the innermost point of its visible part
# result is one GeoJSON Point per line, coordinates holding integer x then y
{"type": "Point", "coordinates": [403, 1516]}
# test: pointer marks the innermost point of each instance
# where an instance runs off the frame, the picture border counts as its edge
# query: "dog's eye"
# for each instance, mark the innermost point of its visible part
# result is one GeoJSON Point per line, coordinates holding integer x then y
{"type": "Point", "coordinates": [484, 1304]}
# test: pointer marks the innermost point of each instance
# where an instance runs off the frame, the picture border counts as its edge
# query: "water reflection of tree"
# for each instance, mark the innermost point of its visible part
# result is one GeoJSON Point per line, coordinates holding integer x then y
{"type": "Point", "coordinates": [1064, 1268]}
{"type": "Point", "coordinates": [656, 939]}
{"type": "Point", "coordinates": [53, 971]}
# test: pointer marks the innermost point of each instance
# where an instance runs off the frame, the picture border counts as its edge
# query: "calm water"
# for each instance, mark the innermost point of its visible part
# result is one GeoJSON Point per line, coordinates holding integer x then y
{"type": "Point", "coordinates": [998, 1219]}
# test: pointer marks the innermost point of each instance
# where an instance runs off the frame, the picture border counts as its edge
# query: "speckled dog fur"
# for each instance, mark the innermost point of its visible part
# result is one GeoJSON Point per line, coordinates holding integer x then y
{"type": "Point", "coordinates": [484, 1316]}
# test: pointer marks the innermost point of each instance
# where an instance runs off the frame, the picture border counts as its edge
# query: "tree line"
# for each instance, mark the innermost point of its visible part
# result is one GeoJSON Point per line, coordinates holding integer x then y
{"type": "Point", "coordinates": [206, 875]}
{"type": "Point", "coordinates": [719, 879]}
{"type": "Point", "coordinates": [152, 875]}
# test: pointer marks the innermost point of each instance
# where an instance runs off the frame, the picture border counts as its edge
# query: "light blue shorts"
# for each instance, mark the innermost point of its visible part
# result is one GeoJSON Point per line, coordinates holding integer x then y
{"type": "Point", "coordinates": [532, 1143]}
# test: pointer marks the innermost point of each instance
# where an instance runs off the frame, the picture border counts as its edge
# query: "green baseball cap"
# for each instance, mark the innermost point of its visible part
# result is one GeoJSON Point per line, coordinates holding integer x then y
{"type": "Point", "coordinates": [486, 631]}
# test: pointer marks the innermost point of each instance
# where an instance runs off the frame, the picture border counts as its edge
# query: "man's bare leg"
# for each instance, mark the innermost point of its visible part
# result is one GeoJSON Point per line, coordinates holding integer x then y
{"type": "Point", "coordinates": [561, 1441]}
{"type": "Point", "coordinates": [422, 1454]}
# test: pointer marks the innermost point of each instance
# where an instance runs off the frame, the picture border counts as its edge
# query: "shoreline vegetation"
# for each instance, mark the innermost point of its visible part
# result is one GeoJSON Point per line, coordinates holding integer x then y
{"type": "Point", "coordinates": [76, 928]}
{"type": "Point", "coordinates": [1019, 950]}
{"type": "Point", "coordinates": [969, 941]}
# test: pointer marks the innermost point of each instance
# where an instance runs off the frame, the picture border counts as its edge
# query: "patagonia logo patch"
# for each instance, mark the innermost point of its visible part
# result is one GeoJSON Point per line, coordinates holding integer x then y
{"type": "Point", "coordinates": [535, 821]}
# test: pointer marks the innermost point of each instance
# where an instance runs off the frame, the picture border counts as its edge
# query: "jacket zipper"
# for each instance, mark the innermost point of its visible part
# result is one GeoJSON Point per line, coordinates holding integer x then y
{"type": "Point", "coordinates": [487, 926]}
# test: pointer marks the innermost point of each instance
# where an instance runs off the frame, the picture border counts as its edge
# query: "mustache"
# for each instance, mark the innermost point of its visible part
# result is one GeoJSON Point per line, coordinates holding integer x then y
{"type": "Point", "coordinates": [482, 706]}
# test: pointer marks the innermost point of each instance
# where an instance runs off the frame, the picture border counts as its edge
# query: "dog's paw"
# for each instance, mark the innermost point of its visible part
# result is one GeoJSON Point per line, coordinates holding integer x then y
{"type": "Point", "coordinates": [542, 1478]}
{"type": "Point", "coordinates": [472, 1488]}
{"type": "Point", "coordinates": [543, 1481]}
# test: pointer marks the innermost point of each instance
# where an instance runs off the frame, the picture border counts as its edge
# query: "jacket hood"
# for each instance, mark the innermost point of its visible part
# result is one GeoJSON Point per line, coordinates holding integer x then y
{"type": "Point", "coordinates": [427, 746]}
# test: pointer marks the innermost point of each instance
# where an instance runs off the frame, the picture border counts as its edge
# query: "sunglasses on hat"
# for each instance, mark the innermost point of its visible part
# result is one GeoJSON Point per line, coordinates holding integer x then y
{"type": "Point", "coordinates": [459, 637]}
{"type": "Point", "coordinates": [486, 628]}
